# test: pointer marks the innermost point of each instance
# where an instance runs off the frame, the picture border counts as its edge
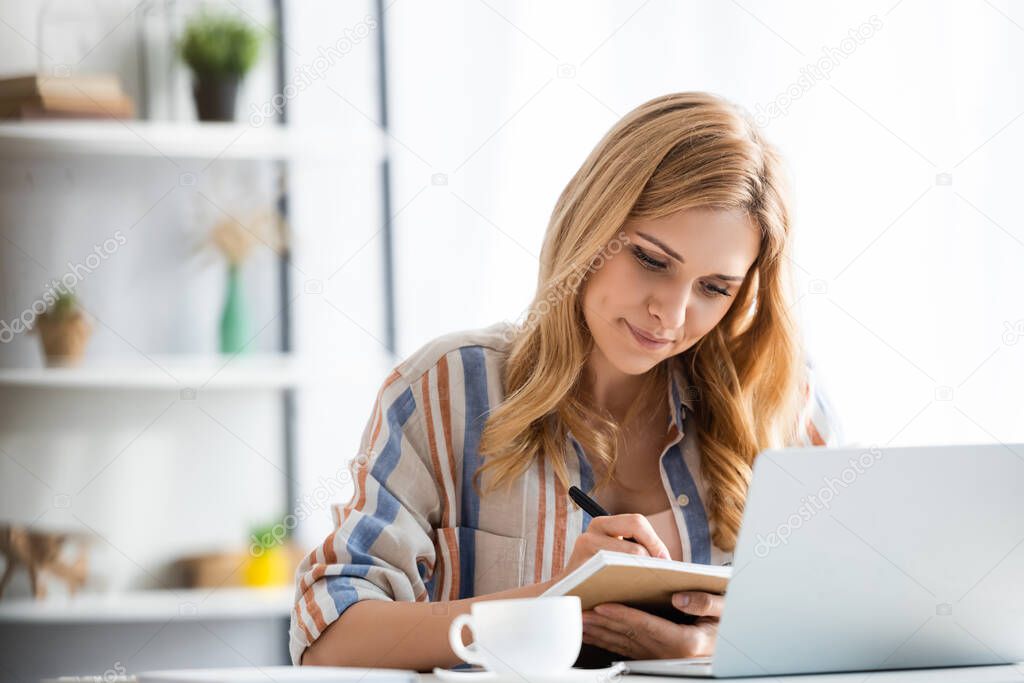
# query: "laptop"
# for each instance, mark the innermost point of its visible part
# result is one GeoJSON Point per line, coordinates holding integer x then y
{"type": "Point", "coordinates": [873, 558]}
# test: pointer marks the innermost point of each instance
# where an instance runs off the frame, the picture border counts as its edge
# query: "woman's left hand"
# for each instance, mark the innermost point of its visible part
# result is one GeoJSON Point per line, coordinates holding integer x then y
{"type": "Point", "coordinates": [636, 634]}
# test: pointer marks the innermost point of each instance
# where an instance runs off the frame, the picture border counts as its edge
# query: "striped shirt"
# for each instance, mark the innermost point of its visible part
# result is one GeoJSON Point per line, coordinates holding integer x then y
{"type": "Point", "coordinates": [415, 529]}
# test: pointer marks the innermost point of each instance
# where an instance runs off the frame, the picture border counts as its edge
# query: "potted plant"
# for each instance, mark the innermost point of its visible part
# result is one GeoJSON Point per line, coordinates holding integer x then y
{"type": "Point", "coordinates": [271, 559]}
{"type": "Point", "coordinates": [219, 50]}
{"type": "Point", "coordinates": [64, 331]}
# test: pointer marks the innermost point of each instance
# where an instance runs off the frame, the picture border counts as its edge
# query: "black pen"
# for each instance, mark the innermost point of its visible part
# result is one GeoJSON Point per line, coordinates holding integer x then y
{"type": "Point", "coordinates": [590, 506]}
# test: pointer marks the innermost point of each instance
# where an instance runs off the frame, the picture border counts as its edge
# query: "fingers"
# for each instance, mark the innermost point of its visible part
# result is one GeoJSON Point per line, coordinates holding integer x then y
{"type": "Point", "coordinates": [612, 641]}
{"type": "Point", "coordinates": [632, 525]}
{"type": "Point", "coordinates": [623, 546]}
{"type": "Point", "coordinates": [627, 638]}
{"type": "Point", "coordinates": [630, 622]}
{"type": "Point", "coordinates": [629, 631]}
{"type": "Point", "coordinates": [699, 603]}
{"type": "Point", "coordinates": [589, 543]}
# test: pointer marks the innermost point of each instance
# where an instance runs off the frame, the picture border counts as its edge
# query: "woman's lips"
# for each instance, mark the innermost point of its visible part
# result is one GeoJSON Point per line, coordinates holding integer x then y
{"type": "Point", "coordinates": [645, 341]}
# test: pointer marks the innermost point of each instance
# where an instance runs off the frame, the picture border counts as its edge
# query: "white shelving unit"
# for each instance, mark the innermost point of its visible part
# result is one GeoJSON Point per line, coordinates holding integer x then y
{"type": "Point", "coordinates": [186, 604]}
{"type": "Point", "coordinates": [133, 138]}
{"type": "Point", "coordinates": [273, 372]}
{"type": "Point", "coordinates": [182, 620]}
{"type": "Point", "coordinates": [144, 630]}
{"type": "Point", "coordinates": [256, 371]}
{"type": "Point", "coordinates": [79, 430]}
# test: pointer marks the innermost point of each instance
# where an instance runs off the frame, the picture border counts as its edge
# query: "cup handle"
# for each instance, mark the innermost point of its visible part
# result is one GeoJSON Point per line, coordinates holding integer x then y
{"type": "Point", "coordinates": [469, 654]}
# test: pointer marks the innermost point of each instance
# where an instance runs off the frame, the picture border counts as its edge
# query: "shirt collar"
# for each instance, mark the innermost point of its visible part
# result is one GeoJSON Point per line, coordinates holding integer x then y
{"type": "Point", "coordinates": [680, 393]}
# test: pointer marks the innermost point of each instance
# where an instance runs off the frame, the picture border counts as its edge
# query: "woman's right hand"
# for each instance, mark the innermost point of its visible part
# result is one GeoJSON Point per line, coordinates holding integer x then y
{"type": "Point", "coordinates": [609, 533]}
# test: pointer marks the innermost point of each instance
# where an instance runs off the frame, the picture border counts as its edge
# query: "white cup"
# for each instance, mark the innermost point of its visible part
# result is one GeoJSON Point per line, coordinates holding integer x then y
{"type": "Point", "coordinates": [521, 636]}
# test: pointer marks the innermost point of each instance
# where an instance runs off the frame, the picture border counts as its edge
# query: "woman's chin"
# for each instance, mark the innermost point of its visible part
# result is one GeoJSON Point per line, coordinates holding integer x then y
{"type": "Point", "coordinates": [634, 363]}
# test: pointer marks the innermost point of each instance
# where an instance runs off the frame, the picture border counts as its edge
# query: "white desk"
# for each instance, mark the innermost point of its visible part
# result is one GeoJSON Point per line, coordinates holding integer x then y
{"type": "Point", "coordinates": [967, 674]}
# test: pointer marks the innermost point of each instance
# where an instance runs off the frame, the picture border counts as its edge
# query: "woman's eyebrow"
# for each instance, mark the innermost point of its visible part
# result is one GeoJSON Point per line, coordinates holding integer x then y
{"type": "Point", "coordinates": [671, 252]}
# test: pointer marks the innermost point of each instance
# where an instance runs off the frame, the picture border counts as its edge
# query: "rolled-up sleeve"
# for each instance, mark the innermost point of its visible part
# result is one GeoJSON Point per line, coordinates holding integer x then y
{"type": "Point", "coordinates": [820, 424]}
{"type": "Point", "coordinates": [382, 544]}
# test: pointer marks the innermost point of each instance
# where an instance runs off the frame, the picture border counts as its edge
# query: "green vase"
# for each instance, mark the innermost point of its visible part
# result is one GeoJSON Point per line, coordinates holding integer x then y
{"type": "Point", "coordinates": [234, 320]}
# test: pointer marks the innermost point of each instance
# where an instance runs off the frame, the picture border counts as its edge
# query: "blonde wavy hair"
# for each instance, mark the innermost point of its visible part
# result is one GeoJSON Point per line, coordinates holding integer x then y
{"type": "Point", "coordinates": [679, 151]}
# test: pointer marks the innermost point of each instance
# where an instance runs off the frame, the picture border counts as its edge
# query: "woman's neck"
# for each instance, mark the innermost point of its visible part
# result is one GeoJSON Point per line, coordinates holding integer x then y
{"type": "Point", "coordinates": [610, 389]}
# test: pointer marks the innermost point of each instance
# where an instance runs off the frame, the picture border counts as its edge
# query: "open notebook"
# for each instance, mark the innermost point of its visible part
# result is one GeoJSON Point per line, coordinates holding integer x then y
{"type": "Point", "coordinates": [646, 583]}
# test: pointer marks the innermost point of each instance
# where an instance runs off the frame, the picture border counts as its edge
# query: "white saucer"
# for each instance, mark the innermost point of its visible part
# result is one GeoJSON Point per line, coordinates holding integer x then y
{"type": "Point", "coordinates": [610, 673]}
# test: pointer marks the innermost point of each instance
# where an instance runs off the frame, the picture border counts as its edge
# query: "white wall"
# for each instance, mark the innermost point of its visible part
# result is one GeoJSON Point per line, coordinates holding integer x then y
{"type": "Point", "coordinates": [914, 282]}
{"type": "Point", "coordinates": [338, 256]}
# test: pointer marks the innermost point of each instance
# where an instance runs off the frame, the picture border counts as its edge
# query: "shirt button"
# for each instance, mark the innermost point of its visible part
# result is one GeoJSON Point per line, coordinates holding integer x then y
{"type": "Point", "coordinates": [683, 499]}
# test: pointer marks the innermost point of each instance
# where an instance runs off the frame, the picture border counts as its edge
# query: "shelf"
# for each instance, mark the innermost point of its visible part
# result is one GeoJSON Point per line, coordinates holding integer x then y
{"type": "Point", "coordinates": [189, 604]}
{"type": "Point", "coordinates": [183, 140]}
{"type": "Point", "coordinates": [202, 373]}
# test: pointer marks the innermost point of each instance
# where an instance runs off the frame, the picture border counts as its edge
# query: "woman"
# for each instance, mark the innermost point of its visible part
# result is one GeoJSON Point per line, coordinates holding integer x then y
{"type": "Point", "coordinates": [658, 359]}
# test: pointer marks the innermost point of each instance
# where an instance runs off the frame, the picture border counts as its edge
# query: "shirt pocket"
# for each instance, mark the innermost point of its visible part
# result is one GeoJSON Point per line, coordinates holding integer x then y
{"type": "Point", "coordinates": [491, 561]}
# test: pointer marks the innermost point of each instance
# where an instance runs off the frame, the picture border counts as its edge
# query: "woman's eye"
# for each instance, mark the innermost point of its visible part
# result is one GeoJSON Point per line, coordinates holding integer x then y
{"type": "Point", "coordinates": [647, 261]}
{"type": "Point", "coordinates": [716, 291]}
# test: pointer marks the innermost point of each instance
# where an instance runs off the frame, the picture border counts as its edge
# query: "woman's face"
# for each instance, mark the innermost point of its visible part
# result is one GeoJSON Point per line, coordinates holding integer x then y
{"type": "Point", "coordinates": [672, 282]}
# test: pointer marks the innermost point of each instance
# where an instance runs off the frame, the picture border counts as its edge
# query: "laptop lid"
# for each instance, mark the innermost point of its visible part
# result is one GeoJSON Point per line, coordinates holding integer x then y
{"type": "Point", "coordinates": [877, 558]}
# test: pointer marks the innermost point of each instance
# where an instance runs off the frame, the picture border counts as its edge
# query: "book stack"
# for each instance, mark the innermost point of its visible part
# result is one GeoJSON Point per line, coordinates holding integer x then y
{"type": "Point", "coordinates": [86, 96]}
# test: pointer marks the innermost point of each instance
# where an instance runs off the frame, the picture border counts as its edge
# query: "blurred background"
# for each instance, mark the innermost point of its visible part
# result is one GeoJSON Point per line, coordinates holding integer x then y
{"type": "Point", "coordinates": [223, 223]}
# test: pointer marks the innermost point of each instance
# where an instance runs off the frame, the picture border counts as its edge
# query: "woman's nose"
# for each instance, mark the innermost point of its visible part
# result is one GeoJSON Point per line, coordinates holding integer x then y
{"type": "Point", "coordinates": [669, 307]}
